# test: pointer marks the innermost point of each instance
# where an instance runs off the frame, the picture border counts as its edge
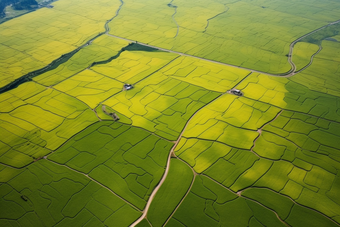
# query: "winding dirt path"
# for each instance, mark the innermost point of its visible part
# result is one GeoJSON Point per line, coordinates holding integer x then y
{"type": "Point", "coordinates": [290, 73]}
{"type": "Point", "coordinates": [311, 60]}
{"type": "Point", "coordinates": [293, 71]}
{"type": "Point", "coordinates": [153, 194]}
{"type": "Point", "coordinates": [171, 154]}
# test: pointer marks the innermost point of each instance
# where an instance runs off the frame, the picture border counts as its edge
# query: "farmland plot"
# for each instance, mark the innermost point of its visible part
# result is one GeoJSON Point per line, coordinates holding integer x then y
{"type": "Point", "coordinates": [122, 133]}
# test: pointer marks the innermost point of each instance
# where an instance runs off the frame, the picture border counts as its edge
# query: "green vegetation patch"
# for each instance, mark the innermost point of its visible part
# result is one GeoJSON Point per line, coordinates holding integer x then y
{"type": "Point", "coordinates": [48, 194]}
{"type": "Point", "coordinates": [134, 64]}
{"type": "Point", "coordinates": [210, 204]}
{"type": "Point", "coordinates": [201, 154]}
{"type": "Point", "coordinates": [128, 160]}
{"type": "Point", "coordinates": [282, 205]}
{"type": "Point", "coordinates": [171, 192]}
{"type": "Point", "coordinates": [39, 124]}
{"type": "Point", "coordinates": [230, 120]}
{"type": "Point", "coordinates": [233, 165]}
{"type": "Point", "coordinates": [303, 53]}
{"type": "Point", "coordinates": [251, 175]}
{"type": "Point", "coordinates": [305, 217]}
{"type": "Point", "coordinates": [323, 74]}
{"type": "Point", "coordinates": [209, 75]}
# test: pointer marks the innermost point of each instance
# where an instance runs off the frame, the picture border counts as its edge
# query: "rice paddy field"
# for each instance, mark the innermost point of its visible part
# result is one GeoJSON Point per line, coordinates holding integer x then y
{"type": "Point", "coordinates": [171, 113]}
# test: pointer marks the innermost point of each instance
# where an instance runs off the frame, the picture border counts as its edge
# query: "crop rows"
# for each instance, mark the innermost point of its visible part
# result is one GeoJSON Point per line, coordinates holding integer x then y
{"type": "Point", "coordinates": [178, 149]}
{"type": "Point", "coordinates": [287, 94]}
{"type": "Point", "coordinates": [161, 104]}
{"type": "Point", "coordinates": [101, 49]}
{"type": "Point", "coordinates": [220, 31]}
{"type": "Point", "coordinates": [39, 121]}
{"type": "Point", "coordinates": [46, 194]}
{"type": "Point", "coordinates": [323, 74]}
{"type": "Point", "coordinates": [48, 34]}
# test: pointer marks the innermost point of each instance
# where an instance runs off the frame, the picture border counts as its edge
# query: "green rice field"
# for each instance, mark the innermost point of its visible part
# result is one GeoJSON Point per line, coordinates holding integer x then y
{"type": "Point", "coordinates": [171, 113]}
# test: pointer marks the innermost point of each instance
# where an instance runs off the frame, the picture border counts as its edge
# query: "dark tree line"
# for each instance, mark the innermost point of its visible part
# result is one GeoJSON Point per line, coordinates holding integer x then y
{"type": "Point", "coordinates": [17, 5]}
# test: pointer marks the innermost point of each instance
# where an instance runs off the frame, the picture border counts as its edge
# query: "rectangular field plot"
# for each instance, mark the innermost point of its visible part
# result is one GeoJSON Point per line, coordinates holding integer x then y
{"type": "Point", "coordinates": [201, 154]}
{"type": "Point", "coordinates": [134, 65]}
{"type": "Point", "coordinates": [128, 160]}
{"type": "Point", "coordinates": [212, 76]}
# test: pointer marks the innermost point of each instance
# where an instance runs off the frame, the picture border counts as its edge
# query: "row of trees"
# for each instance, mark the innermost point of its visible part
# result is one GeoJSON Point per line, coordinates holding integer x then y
{"type": "Point", "coordinates": [17, 5]}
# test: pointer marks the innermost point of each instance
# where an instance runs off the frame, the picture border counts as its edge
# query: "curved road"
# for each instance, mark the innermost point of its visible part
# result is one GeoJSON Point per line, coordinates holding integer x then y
{"type": "Point", "coordinates": [291, 47]}
{"type": "Point", "coordinates": [311, 60]}
{"type": "Point", "coordinates": [290, 73]}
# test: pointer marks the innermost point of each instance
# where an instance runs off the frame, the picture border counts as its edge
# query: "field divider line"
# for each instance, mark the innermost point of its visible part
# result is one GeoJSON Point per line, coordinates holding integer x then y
{"type": "Point", "coordinates": [295, 111]}
{"type": "Point", "coordinates": [293, 71]}
{"type": "Point", "coordinates": [100, 184]}
{"type": "Point", "coordinates": [260, 133]}
{"type": "Point", "coordinates": [246, 198]}
{"type": "Point", "coordinates": [157, 70]}
{"type": "Point", "coordinates": [208, 20]}
{"type": "Point", "coordinates": [154, 192]}
{"type": "Point", "coordinates": [243, 79]}
{"type": "Point", "coordinates": [296, 203]}
{"type": "Point", "coordinates": [188, 55]}
{"type": "Point", "coordinates": [186, 194]}
{"type": "Point", "coordinates": [311, 60]}
{"type": "Point", "coordinates": [173, 17]}
{"type": "Point", "coordinates": [58, 61]}
{"type": "Point", "coordinates": [94, 110]}
{"type": "Point", "coordinates": [290, 73]}
{"type": "Point", "coordinates": [171, 154]}
{"type": "Point", "coordinates": [101, 103]}
{"type": "Point", "coordinates": [254, 201]}
{"type": "Point", "coordinates": [18, 168]}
